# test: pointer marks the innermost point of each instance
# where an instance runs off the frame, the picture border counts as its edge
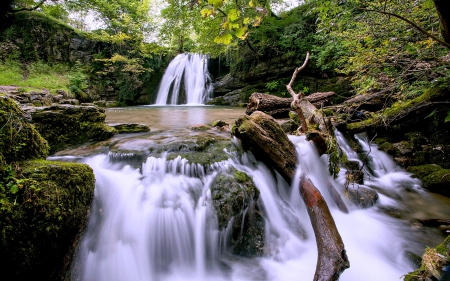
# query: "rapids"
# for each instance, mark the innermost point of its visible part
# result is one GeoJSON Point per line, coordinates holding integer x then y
{"type": "Point", "coordinates": [156, 221]}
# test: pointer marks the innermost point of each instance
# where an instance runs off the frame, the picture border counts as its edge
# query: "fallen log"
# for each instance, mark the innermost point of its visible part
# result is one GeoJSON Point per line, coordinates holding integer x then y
{"type": "Point", "coordinates": [263, 136]}
{"type": "Point", "coordinates": [331, 250]}
{"type": "Point", "coordinates": [280, 107]}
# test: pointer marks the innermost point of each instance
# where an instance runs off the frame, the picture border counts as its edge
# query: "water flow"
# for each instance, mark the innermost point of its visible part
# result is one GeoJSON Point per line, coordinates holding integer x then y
{"type": "Point", "coordinates": [190, 71]}
{"type": "Point", "coordinates": [158, 223]}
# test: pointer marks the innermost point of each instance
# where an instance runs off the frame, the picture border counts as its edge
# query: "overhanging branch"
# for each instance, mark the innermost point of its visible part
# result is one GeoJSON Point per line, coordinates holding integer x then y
{"type": "Point", "coordinates": [413, 24]}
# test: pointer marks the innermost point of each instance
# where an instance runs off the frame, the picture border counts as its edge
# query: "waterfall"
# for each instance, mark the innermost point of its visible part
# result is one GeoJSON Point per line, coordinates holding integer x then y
{"type": "Point", "coordinates": [188, 72]}
{"type": "Point", "coordinates": [157, 222]}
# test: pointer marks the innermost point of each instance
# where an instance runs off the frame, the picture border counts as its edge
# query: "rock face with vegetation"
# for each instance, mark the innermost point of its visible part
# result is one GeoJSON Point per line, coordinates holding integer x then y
{"type": "Point", "coordinates": [68, 125]}
{"type": "Point", "coordinates": [235, 199]}
{"type": "Point", "coordinates": [43, 204]}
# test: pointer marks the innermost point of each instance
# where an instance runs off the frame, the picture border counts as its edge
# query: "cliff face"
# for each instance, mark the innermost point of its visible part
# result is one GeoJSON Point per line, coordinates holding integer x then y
{"type": "Point", "coordinates": [37, 37]}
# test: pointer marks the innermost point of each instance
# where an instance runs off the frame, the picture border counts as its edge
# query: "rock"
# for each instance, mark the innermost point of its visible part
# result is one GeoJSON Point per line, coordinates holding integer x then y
{"type": "Point", "coordinates": [130, 128]}
{"type": "Point", "coordinates": [200, 127]}
{"type": "Point", "coordinates": [227, 84]}
{"type": "Point", "coordinates": [362, 196]}
{"type": "Point", "coordinates": [70, 101]}
{"type": "Point", "coordinates": [19, 140]}
{"type": "Point", "coordinates": [42, 221]}
{"type": "Point", "coordinates": [403, 148]}
{"type": "Point", "coordinates": [433, 177]}
{"type": "Point", "coordinates": [289, 126]}
{"type": "Point", "coordinates": [68, 125]}
{"type": "Point", "coordinates": [235, 196]}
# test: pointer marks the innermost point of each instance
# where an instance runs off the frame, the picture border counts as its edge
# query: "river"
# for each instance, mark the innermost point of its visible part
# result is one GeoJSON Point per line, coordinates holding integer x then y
{"type": "Point", "coordinates": [145, 223]}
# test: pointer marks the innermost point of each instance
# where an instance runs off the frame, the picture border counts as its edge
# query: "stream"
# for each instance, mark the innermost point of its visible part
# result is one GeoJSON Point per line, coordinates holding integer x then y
{"type": "Point", "coordinates": [154, 219]}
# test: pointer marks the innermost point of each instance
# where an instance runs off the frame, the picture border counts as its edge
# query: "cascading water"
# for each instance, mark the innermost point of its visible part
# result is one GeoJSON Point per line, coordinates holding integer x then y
{"type": "Point", "coordinates": [158, 223]}
{"type": "Point", "coordinates": [188, 72]}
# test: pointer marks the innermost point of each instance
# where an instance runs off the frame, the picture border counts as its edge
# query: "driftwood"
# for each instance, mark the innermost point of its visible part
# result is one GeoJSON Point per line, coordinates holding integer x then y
{"type": "Point", "coordinates": [280, 107]}
{"type": "Point", "coordinates": [262, 135]}
{"type": "Point", "coordinates": [331, 249]}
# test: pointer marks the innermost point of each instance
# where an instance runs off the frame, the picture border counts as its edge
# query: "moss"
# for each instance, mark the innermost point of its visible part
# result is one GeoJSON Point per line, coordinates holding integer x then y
{"type": "Point", "coordinates": [234, 195]}
{"type": "Point", "coordinates": [40, 222]}
{"type": "Point", "coordinates": [67, 125]}
{"type": "Point", "coordinates": [19, 140]}
{"type": "Point", "coordinates": [434, 177]}
{"type": "Point", "coordinates": [433, 261]}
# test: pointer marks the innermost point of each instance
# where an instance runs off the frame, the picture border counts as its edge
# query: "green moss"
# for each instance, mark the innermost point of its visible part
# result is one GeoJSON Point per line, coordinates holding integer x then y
{"type": "Point", "coordinates": [233, 192]}
{"type": "Point", "coordinates": [19, 140]}
{"type": "Point", "coordinates": [65, 125]}
{"type": "Point", "coordinates": [433, 177]}
{"type": "Point", "coordinates": [40, 222]}
{"type": "Point", "coordinates": [433, 261]}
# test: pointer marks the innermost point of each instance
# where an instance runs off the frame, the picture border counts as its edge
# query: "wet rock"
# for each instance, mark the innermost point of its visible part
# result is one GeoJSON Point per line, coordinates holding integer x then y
{"type": "Point", "coordinates": [363, 197]}
{"type": "Point", "coordinates": [227, 84]}
{"type": "Point", "coordinates": [221, 125]}
{"type": "Point", "coordinates": [204, 150]}
{"type": "Point", "coordinates": [68, 125]}
{"type": "Point", "coordinates": [289, 126]}
{"type": "Point", "coordinates": [130, 128]}
{"type": "Point", "coordinates": [433, 177]}
{"type": "Point", "coordinates": [200, 127]}
{"type": "Point", "coordinates": [235, 198]}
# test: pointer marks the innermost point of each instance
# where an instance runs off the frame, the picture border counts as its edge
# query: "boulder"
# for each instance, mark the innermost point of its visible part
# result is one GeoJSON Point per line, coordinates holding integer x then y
{"type": "Point", "coordinates": [235, 198]}
{"type": "Point", "coordinates": [42, 218]}
{"type": "Point", "coordinates": [363, 197]}
{"type": "Point", "coordinates": [69, 125]}
{"type": "Point", "coordinates": [126, 128]}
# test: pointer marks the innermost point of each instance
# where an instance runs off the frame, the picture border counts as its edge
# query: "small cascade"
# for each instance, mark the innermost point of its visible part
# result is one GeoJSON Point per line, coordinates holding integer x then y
{"type": "Point", "coordinates": [157, 222]}
{"type": "Point", "coordinates": [185, 81]}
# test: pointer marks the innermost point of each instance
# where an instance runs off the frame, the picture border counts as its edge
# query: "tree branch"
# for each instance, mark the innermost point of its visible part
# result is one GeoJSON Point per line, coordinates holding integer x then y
{"type": "Point", "coordinates": [413, 24]}
{"type": "Point", "coordinates": [296, 97]}
{"type": "Point", "coordinates": [29, 9]}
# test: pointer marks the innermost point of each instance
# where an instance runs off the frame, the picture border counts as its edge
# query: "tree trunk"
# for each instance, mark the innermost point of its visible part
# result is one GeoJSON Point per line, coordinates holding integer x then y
{"type": "Point", "coordinates": [280, 107]}
{"type": "Point", "coordinates": [262, 135]}
{"type": "Point", "coordinates": [443, 11]}
{"type": "Point", "coordinates": [331, 251]}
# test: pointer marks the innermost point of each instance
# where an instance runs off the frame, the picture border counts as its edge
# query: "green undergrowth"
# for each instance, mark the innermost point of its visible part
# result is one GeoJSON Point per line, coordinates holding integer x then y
{"type": "Point", "coordinates": [35, 76]}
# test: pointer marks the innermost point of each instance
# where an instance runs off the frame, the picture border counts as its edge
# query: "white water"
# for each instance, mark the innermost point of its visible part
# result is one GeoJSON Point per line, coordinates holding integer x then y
{"type": "Point", "coordinates": [158, 224]}
{"type": "Point", "coordinates": [193, 70]}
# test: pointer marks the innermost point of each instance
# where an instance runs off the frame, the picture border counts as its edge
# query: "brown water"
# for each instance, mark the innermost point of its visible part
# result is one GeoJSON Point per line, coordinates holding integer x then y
{"type": "Point", "coordinates": [173, 117]}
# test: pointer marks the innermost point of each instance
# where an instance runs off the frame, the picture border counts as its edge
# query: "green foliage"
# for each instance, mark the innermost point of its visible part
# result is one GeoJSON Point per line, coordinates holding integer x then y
{"type": "Point", "coordinates": [78, 81]}
{"type": "Point", "coordinates": [127, 73]}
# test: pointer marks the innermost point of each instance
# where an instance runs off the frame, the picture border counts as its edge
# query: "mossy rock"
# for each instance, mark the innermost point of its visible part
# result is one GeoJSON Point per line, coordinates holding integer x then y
{"type": "Point", "coordinates": [433, 262]}
{"type": "Point", "coordinates": [41, 221]}
{"type": "Point", "coordinates": [19, 140]}
{"type": "Point", "coordinates": [69, 125]}
{"type": "Point", "coordinates": [204, 150]}
{"type": "Point", "coordinates": [130, 128]}
{"type": "Point", "coordinates": [434, 177]}
{"type": "Point", "coordinates": [235, 195]}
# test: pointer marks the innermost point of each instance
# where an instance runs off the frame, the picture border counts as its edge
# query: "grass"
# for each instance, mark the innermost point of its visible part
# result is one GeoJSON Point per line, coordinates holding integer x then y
{"type": "Point", "coordinates": [36, 76]}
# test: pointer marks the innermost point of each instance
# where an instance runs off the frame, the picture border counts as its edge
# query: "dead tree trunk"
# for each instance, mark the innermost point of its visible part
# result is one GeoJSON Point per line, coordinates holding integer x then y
{"type": "Point", "coordinates": [329, 243]}
{"type": "Point", "coordinates": [297, 97]}
{"type": "Point", "coordinates": [280, 107]}
{"type": "Point", "coordinates": [262, 135]}
{"type": "Point", "coordinates": [443, 11]}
